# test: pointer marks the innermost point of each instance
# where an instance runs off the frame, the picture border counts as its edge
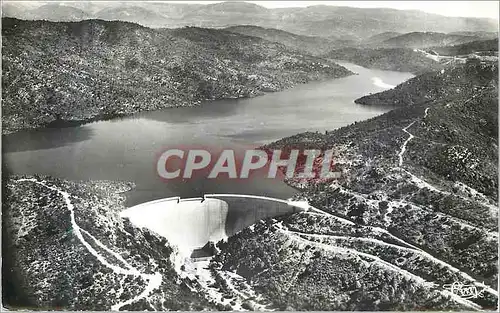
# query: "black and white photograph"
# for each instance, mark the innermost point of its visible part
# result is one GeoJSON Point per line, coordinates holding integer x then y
{"type": "Point", "coordinates": [249, 155]}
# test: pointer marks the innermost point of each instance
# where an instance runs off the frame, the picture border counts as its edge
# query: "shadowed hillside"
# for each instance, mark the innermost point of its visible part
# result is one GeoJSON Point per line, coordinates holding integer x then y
{"type": "Point", "coordinates": [306, 44]}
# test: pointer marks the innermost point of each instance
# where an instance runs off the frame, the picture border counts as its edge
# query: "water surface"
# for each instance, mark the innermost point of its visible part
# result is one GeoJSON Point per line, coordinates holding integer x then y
{"type": "Point", "coordinates": [126, 149]}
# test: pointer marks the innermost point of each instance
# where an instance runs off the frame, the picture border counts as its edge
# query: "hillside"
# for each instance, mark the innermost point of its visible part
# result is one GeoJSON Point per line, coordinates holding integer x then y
{"type": "Point", "coordinates": [480, 46]}
{"type": "Point", "coordinates": [378, 38]}
{"type": "Point", "coordinates": [306, 44]}
{"type": "Point", "coordinates": [314, 20]}
{"type": "Point", "coordinates": [449, 82]}
{"type": "Point", "coordinates": [74, 72]}
{"type": "Point", "coordinates": [391, 59]}
{"type": "Point", "coordinates": [427, 39]}
{"type": "Point", "coordinates": [363, 23]}
{"type": "Point", "coordinates": [65, 246]}
{"type": "Point", "coordinates": [480, 34]}
{"type": "Point", "coordinates": [415, 210]}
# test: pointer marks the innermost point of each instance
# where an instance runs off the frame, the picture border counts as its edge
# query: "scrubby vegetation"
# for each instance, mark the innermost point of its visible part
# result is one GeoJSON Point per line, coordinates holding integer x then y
{"type": "Point", "coordinates": [417, 203]}
{"type": "Point", "coordinates": [72, 72]}
{"type": "Point", "coordinates": [297, 272]}
{"type": "Point", "coordinates": [485, 47]}
{"type": "Point", "coordinates": [462, 81]}
{"type": "Point", "coordinates": [47, 266]}
{"type": "Point", "coordinates": [391, 59]}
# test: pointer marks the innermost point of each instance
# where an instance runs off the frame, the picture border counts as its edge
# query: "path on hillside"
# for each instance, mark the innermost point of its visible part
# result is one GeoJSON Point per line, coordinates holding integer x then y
{"type": "Point", "coordinates": [153, 280]}
{"type": "Point", "coordinates": [384, 264]}
{"type": "Point", "coordinates": [419, 182]}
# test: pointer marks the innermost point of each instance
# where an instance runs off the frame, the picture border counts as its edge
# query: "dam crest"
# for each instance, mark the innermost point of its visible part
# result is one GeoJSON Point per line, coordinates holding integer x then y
{"type": "Point", "coordinates": [191, 223]}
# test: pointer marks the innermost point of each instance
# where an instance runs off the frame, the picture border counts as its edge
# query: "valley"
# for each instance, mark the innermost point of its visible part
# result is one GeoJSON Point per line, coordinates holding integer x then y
{"type": "Point", "coordinates": [67, 80]}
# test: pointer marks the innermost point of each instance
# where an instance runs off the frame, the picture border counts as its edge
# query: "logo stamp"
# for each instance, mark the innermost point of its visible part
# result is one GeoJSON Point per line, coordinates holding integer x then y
{"type": "Point", "coordinates": [302, 164]}
{"type": "Point", "coordinates": [465, 291]}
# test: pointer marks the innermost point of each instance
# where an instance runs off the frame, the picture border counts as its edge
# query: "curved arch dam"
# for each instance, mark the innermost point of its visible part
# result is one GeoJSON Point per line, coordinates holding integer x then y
{"type": "Point", "coordinates": [189, 224]}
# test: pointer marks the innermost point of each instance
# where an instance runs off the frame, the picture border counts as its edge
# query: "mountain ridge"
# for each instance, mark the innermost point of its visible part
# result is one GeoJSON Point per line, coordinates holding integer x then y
{"type": "Point", "coordinates": [312, 21]}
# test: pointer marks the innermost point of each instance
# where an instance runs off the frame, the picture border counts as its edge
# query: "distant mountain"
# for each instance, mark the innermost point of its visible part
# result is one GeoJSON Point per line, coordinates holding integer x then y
{"type": "Point", "coordinates": [231, 7]}
{"type": "Point", "coordinates": [225, 14]}
{"type": "Point", "coordinates": [325, 21]}
{"type": "Point", "coordinates": [58, 12]}
{"type": "Point", "coordinates": [363, 23]}
{"type": "Point", "coordinates": [307, 44]}
{"type": "Point", "coordinates": [391, 59]}
{"type": "Point", "coordinates": [426, 39]}
{"type": "Point", "coordinates": [15, 10]}
{"type": "Point", "coordinates": [134, 14]}
{"type": "Point", "coordinates": [478, 34]}
{"type": "Point", "coordinates": [73, 72]}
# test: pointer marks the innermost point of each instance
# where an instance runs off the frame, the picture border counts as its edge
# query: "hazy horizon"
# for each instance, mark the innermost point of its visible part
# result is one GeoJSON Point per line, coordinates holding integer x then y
{"type": "Point", "coordinates": [478, 9]}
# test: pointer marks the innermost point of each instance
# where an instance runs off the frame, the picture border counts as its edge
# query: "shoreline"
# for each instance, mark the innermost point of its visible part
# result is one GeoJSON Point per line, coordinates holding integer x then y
{"type": "Point", "coordinates": [64, 123]}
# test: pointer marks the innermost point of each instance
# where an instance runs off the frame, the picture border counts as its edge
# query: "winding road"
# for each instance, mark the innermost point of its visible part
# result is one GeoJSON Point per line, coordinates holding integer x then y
{"type": "Point", "coordinates": [153, 280]}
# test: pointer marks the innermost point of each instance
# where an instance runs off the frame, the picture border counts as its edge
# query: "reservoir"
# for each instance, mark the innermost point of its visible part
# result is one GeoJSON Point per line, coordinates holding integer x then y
{"type": "Point", "coordinates": [127, 149]}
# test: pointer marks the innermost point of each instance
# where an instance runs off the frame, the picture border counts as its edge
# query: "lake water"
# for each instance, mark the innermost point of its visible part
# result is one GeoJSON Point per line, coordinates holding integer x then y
{"type": "Point", "coordinates": [126, 149]}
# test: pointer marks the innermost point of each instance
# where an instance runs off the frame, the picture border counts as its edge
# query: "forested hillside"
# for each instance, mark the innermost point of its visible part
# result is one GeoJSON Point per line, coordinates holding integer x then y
{"type": "Point", "coordinates": [79, 71]}
{"type": "Point", "coordinates": [450, 82]}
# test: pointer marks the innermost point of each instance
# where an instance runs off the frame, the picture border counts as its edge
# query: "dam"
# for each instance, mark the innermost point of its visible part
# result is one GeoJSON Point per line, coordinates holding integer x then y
{"type": "Point", "coordinates": [191, 223]}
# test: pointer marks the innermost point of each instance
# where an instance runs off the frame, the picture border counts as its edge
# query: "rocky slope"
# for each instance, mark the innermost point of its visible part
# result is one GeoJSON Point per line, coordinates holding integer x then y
{"type": "Point", "coordinates": [60, 72]}
{"type": "Point", "coordinates": [452, 82]}
{"type": "Point", "coordinates": [415, 211]}
{"type": "Point", "coordinates": [65, 246]}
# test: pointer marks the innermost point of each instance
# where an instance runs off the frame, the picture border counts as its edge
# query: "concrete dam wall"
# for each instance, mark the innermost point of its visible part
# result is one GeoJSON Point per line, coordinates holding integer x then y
{"type": "Point", "coordinates": [190, 223]}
